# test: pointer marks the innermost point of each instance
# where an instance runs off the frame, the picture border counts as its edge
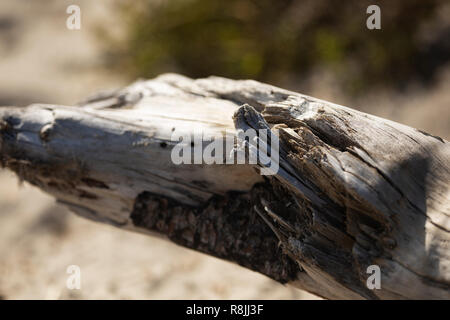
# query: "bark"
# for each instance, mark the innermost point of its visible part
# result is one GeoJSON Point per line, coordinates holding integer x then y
{"type": "Point", "coordinates": [352, 189]}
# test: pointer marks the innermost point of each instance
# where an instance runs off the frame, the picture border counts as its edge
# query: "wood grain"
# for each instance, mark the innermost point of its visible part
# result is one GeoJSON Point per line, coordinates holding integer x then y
{"type": "Point", "coordinates": [353, 190]}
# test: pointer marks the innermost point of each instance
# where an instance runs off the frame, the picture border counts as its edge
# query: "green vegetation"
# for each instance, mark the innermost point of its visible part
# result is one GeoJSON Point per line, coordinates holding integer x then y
{"type": "Point", "coordinates": [280, 41]}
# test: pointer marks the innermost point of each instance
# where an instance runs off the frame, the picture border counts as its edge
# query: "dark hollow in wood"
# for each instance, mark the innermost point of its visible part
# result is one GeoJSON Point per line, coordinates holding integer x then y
{"type": "Point", "coordinates": [226, 227]}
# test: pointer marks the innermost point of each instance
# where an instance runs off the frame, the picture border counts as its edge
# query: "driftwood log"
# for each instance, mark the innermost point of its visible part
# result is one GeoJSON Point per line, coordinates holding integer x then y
{"type": "Point", "coordinates": [352, 189]}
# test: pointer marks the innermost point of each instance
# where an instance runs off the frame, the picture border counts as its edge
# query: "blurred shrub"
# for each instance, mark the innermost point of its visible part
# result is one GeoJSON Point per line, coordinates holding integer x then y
{"type": "Point", "coordinates": [280, 41]}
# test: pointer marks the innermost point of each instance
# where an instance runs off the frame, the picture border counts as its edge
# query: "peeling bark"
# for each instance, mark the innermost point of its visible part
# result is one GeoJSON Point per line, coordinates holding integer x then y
{"type": "Point", "coordinates": [353, 190]}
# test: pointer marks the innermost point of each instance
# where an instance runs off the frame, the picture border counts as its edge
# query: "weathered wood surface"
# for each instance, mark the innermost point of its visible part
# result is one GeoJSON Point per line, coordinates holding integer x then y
{"type": "Point", "coordinates": [353, 190]}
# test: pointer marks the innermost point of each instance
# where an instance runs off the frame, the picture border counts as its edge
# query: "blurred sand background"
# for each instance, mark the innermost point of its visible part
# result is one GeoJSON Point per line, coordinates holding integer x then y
{"type": "Point", "coordinates": [42, 61]}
